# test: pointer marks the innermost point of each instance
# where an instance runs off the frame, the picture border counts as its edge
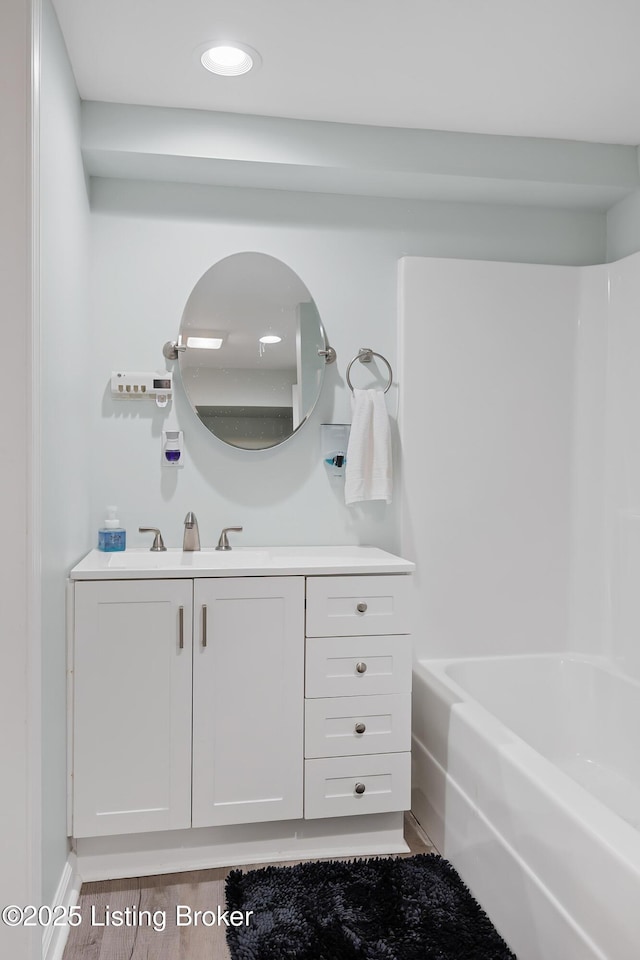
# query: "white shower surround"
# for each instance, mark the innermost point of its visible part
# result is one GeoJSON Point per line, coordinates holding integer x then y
{"type": "Point", "coordinates": [520, 410]}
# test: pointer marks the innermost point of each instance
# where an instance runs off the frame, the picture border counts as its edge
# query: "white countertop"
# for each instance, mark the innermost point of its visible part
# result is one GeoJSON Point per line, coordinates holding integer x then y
{"type": "Point", "coordinates": [141, 563]}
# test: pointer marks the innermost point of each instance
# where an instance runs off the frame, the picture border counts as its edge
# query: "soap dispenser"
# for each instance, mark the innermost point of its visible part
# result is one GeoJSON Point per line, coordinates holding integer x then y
{"type": "Point", "coordinates": [335, 439]}
{"type": "Point", "coordinates": [172, 448]}
{"type": "Point", "coordinates": [111, 536]}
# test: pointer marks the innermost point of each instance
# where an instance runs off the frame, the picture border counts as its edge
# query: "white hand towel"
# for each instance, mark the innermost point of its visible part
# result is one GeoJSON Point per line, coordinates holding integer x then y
{"type": "Point", "coordinates": [368, 472]}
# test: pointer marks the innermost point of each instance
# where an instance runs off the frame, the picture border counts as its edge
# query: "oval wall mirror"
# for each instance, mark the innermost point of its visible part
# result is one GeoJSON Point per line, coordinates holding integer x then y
{"type": "Point", "coordinates": [250, 351]}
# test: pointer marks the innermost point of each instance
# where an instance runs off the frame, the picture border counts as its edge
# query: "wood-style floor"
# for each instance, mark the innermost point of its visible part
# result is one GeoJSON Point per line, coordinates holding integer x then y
{"type": "Point", "coordinates": [199, 890]}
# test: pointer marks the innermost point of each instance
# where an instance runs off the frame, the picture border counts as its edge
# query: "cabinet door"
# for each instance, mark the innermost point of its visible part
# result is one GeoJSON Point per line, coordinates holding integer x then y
{"type": "Point", "coordinates": [132, 706]}
{"type": "Point", "coordinates": [248, 688]}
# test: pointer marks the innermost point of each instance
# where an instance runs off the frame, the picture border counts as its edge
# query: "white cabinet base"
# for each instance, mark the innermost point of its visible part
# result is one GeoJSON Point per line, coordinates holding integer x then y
{"type": "Point", "coordinates": [146, 854]}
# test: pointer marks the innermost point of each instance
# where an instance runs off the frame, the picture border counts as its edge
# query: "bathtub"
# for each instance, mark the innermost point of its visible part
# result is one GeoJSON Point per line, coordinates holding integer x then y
{"type": "Point", "coordinates": [526, 775]}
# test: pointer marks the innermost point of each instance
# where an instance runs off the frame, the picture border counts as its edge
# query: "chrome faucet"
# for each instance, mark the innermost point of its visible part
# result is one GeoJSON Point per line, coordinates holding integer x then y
{"type": "Point", "coordinates": [191, 533]}
{"type": "Point", "coordinates": [223, 542]}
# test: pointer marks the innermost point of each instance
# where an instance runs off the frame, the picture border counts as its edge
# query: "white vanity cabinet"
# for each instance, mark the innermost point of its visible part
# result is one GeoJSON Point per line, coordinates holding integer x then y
{"type": "Point", "coordinates": [134, 700]}
{"type": "Point", "coordinates": [210, 691]}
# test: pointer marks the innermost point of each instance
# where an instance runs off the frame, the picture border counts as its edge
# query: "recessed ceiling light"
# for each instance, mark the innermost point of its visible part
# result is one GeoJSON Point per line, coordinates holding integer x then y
{"type": "Point", "coordinates": [229, 60]}
{"type": "Point", "coordinates": [205, 343]}
{"type": "Point", "coordinates": [270, 339]}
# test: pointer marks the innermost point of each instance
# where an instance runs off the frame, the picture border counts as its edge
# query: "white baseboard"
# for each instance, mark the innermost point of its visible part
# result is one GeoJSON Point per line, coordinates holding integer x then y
{"type": "Point", "coordinates": [135, 855]}
{"type": "Point", "coordinates": [54, 938]}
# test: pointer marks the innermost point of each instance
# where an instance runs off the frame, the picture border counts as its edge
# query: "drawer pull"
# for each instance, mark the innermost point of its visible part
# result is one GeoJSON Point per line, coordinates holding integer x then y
{"type": "Point", "coordinates": [360, 788]}
{"type": "Point", "coordinates": [361, 667]}
{"type": "Point", "coordinates": [360, 727]}
{"type": "Point", "coordinates": [361, 607]}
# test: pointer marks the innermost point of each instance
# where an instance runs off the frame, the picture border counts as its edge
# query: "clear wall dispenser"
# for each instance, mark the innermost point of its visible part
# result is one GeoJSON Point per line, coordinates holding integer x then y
{"type": "Point", "coordinates": [335, 439]}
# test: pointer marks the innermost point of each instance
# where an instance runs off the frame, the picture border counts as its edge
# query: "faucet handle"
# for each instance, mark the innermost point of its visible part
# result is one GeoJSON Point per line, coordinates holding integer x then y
{"type": "Point", "coordinates": [223, 542]}
{"type": "Point", "coordinates": [158, 542]}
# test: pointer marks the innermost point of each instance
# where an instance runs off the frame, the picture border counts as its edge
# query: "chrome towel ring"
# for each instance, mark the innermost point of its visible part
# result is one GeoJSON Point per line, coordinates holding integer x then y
{"type": "Point", "coordinates": [365, 355]}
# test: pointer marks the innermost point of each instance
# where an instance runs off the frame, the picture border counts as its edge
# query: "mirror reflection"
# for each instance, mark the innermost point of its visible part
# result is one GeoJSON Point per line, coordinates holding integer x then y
{"type": "Point", "coordinates": [248, 347]}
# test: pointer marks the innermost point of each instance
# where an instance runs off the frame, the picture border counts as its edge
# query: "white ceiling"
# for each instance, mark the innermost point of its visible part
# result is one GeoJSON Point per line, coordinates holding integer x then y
{"type": "Point", "coordinates": [542, 68]}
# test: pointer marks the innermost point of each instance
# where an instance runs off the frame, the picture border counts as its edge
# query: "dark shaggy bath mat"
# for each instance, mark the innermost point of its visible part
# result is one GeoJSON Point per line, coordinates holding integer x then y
{"type": "Point", "coordinates": [414, 908]}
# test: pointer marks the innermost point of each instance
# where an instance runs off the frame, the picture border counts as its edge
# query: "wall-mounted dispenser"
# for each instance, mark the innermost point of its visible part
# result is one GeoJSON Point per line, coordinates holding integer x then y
{"type": "Point", "coordinates": [335, 438]}
{"type": "Point", "coordinates": [128, 385]}
{"type": "Point", "coordinates": [172, 455]}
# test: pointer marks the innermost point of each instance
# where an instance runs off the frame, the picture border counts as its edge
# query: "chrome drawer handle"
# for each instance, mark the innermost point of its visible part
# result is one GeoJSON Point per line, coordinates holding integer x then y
{"type": "Point", "coordinates": [360, 788]}
{"type": "Point", "coordinates": [360, 728]}
{"type": "Point", "coordinates": [361, 667]}
{"type": "Point", "coordinates": [361, 607]}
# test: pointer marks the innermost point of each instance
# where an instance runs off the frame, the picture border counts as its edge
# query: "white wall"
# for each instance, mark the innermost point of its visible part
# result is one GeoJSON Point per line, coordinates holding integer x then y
{"type": "Point", "coordinates": [152, 242]}
{"type": "Point", "coordinates": [487, 436]}
{"type": "Point", "coordinates": [129, 141]}
{"type": "Point", "coordinates": [19, 694]}
{"type": "Point", "coordinates": [65, 377]}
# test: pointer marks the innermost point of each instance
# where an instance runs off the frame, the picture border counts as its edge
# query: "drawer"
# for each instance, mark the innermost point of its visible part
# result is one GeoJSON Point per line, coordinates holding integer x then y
{"type": "Point", "coordinates": [353, 666]}
{"type": "Point", "coordinates": [353, 726]}
{"type": "Point", "coordinates": [345, 786]}
{"type": "Point", "coordinates": [358, 606]}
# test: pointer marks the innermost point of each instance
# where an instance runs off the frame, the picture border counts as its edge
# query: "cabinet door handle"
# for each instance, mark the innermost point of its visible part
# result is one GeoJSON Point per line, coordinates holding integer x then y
{"type": "Point", "coordinates": [360, 788]}
{"type": "Point", "coordinates": [361, 607]}
{"type": "Point", "coordinates": [181, 627]}
{"type": "Point", "coordinates": [361, 667]}
{"type": "Point", "coordinates": [204, 624]}
{"type": "Point", "coordinates": [360, 727]}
